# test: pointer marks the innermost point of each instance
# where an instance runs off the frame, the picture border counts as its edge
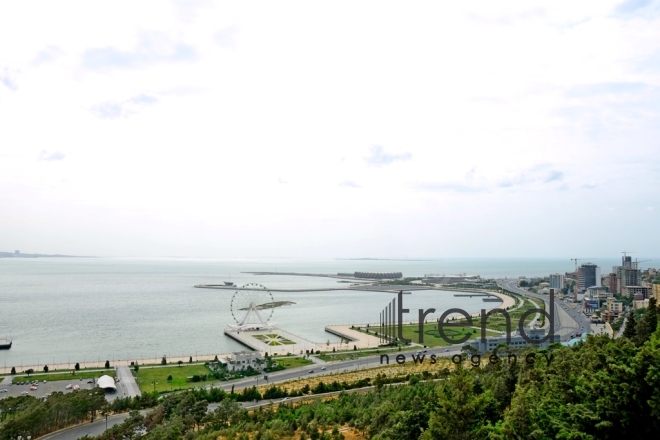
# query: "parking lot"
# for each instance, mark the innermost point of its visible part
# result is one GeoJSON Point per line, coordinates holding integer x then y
{"type": "Point", "coordinates": [49, 387]}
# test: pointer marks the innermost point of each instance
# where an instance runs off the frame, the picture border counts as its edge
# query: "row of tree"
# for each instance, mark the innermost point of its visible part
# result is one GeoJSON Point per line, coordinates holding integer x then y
{"type": "Point", "coordinates": [602, 389]}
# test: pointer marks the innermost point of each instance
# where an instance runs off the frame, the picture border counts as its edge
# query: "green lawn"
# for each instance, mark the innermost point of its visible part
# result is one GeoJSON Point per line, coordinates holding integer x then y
{"type": "Point", "coordinates": [432, 336]}
{"type": "Point", "coordinates": [498, 322]}
{"type": "Point", "coordinates": [352, 354]}
{"type": "Point", "coordinates": [64, 376]}
{"type": "Point", "coordinates": [147, 376]}
{"type": "Point", "coordinates": [292, 362]}
{"type": "Point", "coordinates": [273, 339]}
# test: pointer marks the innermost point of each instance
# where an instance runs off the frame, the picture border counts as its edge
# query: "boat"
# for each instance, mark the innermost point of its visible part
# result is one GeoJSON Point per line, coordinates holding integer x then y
{"type": "Point", "coordinates": [5, 344]}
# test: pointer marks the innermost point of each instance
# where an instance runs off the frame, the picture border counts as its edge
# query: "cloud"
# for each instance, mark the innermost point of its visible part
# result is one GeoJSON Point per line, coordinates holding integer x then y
{"type": "Point", "coordinates": [533, 175]}
{"type": "Point", "coordinates": [118, 109]}
{"type": "Point", "coordinates": [449, 187]}
{"type": "Point", "coordinates": [51, 157]}
{"type": "Point", "coordinates": [348, 184]}
{"type": "Point", "coordinates": [47, 55]}
{"type": "Point", "coordinates": [151, 49]}
{"type": "Point", "coordinates": [590, 185]}
{"type": "Point", "coordinates": [608, 88]}
{"type": "Point", "coordinates": [553, 176]}
{"type": "Point", "coordinates": [632, 5]}
{"type": "Point", "coordinates": [379, 158]}
{"type": "Point", "coordinates": [143, 99]}
{"type": "Point", "coordinates": [226, 37]}
{"type": "Point", "coordinates": [8, 78]}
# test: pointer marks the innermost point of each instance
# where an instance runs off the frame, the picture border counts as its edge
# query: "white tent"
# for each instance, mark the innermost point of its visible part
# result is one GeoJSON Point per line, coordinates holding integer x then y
{"type": "Point", "coordinates": [106, 382]}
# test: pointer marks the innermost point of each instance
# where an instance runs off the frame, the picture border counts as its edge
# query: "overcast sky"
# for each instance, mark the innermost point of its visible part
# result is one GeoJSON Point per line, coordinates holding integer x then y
{"type": "Point", "coordinates": [330, 129]}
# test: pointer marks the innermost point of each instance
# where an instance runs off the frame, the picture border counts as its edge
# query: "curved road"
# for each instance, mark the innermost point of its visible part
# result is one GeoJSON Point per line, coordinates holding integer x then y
{"type": "Point", "coordinates": [567, 320]}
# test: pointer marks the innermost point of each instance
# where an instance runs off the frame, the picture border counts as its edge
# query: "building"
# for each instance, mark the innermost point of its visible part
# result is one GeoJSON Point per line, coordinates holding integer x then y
{"type": "Point", "coordinates": [613, 283]}
{"type": "Point", "coordinates": [378, 275]}
{"type": "Point", "coordinates": [641, 303]}
{"type": "Point", "coordinates": [613, 311]}
{"type": "Point", "coordinates": [599, 294]}
{"type": "Point", "coordinates": [626, 275]}
{"type": "Point", "coordinates": [588, 275]}
{"type": "Point", "coordinates": [240, 360]}
{"type": "Point", "coordinates": [107, 383]}
{"type": "Point", "coordinates": [557, 281]}
{"type": "Point", "coordinates": [517, 341]}
{"type": "Point", "coordinates": [450, 279]}
{"type": "Point", "coordinates": [656, 292]}
{"type": "Point", "coordinates": [645, 291]}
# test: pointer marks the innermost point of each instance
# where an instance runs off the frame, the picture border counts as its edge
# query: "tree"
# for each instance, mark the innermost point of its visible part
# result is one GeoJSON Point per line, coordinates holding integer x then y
{"type": "Point", "coordinates": [190, 360]}
{"type": "Point", "coordinates": [629, 331]}
{"type": "Point", "coordinates": [29, 371]}
{"type": "Point", "coordinates": [136, 367]}
{"type": "Point", "coordinates": [13, 370]}
{"type": "Point", "coordinates": [355, 348]}
{"type": "Point", "coordinates": [215, 359]}
{"type": "Point", "coordinates": [648, 324]}
{"type": "Point", "coordinates": [45, 368]}
{"type": "Point", "coordinates": [169, 378]}
{"type": "Point", "coordinates": [180, 362]}
{"type": "Point", "coordinates": [77, 367]}
{"type": "Point", "coordinates": [163, 361]}
{"type": "Point", "coordinates": [107, 364]}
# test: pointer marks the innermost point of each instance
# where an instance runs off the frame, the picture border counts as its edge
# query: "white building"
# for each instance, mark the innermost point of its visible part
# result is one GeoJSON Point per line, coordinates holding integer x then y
{"type": "Point", "coordinates": [240, 360]}
{"type": "Point", "coordinates": [517, 341]}
{"type": "Point", "coordinates": [557, 281]}
{"type": "Point", "coordinates": [107, 383]}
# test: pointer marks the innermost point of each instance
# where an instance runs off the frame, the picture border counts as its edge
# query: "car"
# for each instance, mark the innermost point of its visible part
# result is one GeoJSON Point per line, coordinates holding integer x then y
{"type": "Point", "coordinates": [24, 393]}
{"type": "Point", "coordinates": [424, 351]}
{"type": "Point", "coordinates": [44, 381]}
{"type": "Point", "coordinates": [310, 371]}
{"type": "Point", "coordinates": [90, 381]}
{"type": "Point", "coordinates": [68, 387]}
{"type": "Point", "coordinates": [446, 350]}
{"type": "Point", "coordinates": [286, 398]}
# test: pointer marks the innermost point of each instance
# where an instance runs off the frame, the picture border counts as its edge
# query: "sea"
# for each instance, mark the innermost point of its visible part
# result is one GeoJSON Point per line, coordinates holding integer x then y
{"type": "Point", "coordinates": [67, 310]}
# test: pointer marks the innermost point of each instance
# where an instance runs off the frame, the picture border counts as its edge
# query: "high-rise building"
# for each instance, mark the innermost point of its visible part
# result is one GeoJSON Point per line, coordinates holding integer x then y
{"type": "Point", "coordinates": [613, 282]}
{"type": "Point", "coordinates": [588, 276]}
{"type": "Point", "coordinates": [627, 276]}
{"type": "Point", "coordinates": [557, 281]}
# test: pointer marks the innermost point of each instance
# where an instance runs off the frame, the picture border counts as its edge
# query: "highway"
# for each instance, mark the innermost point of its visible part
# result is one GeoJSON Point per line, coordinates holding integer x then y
{"type": "Point", "coordinates": [567, 321]}
{"type": "Point", "coordinates": [336, 367]}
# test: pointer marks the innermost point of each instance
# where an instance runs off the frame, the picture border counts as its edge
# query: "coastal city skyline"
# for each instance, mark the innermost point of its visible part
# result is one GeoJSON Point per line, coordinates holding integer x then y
{"type": "Point", "coordinates": [329, 220]}
{"type": "Point", "coordinates": [197, 129]}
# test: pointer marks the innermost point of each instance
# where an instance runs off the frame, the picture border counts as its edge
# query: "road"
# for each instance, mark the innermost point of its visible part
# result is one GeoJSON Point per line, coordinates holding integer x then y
{"type": "Point", "coordinates": [334, 367]}
{"type": "Point", "coordinates": [126, 385]}
{"type": "Point", "coordinates": [567, 321]}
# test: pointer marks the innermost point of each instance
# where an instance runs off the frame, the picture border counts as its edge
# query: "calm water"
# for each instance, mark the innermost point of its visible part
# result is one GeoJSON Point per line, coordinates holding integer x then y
{"type": "Point", "coordinates": [72, 310]}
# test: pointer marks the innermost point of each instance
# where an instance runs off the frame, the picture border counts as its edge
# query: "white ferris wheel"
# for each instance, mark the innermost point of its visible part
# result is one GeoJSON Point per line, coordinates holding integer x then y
{"type": "Point", "coordinates": [252, 307]}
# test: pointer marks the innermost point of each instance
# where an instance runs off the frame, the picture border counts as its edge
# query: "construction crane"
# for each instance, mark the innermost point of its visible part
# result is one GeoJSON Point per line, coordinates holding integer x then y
{"type": "Point", "coordinates": [625, 254]}
{"type": "Point", "coordinates": [636, 264]}
{"type": "Point", "coordinates": [575, 286]}
{"type": "Point", "coordinates": [577, 280]}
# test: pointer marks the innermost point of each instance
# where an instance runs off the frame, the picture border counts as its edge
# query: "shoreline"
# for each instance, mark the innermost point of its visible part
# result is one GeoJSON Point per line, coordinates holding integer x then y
{"type": "Point", "coordinates": [506, 301]}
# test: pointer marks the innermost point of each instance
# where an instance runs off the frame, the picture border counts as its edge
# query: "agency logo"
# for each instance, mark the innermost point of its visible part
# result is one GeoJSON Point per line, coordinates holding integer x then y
{"type": "Point", "coordinates": [391, 323]}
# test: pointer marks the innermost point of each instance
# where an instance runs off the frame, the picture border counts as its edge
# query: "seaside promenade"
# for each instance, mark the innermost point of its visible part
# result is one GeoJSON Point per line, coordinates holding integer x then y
{"type": "Point", "coordinates": [295, 345]}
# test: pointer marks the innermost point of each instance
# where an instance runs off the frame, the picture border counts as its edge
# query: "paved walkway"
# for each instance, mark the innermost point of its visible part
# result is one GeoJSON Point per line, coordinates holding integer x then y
{"type": "Point", "coordinates": [127, 384]}
{"type": "Point", "coordinates": [6, 380]}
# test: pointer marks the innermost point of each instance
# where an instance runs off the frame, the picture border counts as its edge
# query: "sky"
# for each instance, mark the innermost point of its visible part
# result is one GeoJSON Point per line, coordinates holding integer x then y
{"type": "Point", "coordinates": [335, 129]}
